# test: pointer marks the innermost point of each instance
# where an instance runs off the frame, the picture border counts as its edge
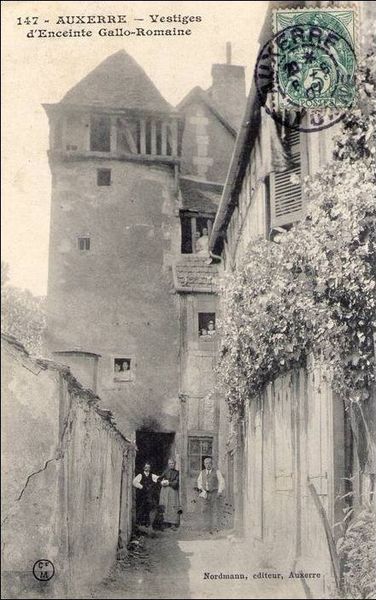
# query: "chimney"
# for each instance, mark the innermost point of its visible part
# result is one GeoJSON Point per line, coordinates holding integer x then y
{"type": "Point", "coordinates": [228, 89]}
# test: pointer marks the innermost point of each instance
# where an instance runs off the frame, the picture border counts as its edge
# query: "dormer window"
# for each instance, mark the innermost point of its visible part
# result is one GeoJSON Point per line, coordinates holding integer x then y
{"type": "Point", "coordinates": [100, 133]}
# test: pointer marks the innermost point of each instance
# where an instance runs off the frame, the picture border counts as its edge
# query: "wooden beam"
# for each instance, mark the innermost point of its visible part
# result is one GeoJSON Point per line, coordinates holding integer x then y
{"type": "Point", "coordinates": [193, 234]}
{"type": "Point", "coordinates": [87, 134]}
{"type": "Point", "coordinates": [142, 136]}
{"type": "Point", "coordinates": [164, 138]}
{"type": "Point", "coordinates": [174, 136]}
{"type": "Point", "coordinates": [209, 224]}
{"type": "Point", "coordinates": [113, 134]}
{"type": "Point", "coordinates": [153, 137]}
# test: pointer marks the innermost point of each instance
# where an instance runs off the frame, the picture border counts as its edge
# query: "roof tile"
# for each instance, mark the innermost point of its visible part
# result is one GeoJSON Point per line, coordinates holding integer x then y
{"type": "Point", "coordinates": [192, 273]}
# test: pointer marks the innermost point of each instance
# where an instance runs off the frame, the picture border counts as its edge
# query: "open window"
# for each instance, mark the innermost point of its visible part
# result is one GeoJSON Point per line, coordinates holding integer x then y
{"type": "Point", "coordinates": [195, 232]}
{"type": "Point", "coordinates": [206, 326]}
{"type": "Point", "coordinates": [122, 369]}
{"type": "Point", "coordinates": [100, 133]}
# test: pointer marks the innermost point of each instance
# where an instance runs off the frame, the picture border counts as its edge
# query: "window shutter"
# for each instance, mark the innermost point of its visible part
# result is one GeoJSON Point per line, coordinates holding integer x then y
{"type": "Point", "coordinates": [286, 197]}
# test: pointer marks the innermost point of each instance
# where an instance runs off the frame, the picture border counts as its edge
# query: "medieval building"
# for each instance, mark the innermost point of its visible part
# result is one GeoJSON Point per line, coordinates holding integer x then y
{"type": "Point", "coordinates": [132, 292]}
{"type": "Point", "coordinates": [287, 459]}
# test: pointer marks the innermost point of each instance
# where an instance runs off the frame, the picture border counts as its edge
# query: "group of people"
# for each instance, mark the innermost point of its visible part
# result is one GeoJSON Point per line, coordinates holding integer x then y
{"type": "Point", "coordinates": [210, 330]}
{"type": "Point", "coordinates": [158, 499]}
{"type": "Point", "coordinates": [122, 366]}
{"type": "Point", "coordinates": [158, 495]}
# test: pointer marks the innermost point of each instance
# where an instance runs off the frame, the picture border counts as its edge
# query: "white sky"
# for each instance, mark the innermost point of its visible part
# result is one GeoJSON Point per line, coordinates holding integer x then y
{"type": "Point", "coordinates": [37, 71]}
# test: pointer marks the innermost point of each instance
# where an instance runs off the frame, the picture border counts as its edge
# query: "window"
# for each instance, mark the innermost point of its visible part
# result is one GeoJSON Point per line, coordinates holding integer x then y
{"type": "Point", "coordinates": [199, 448]}
{"type": "Point", "coordinates": [84, 243]}
{"type": "Point", "coordinates": [206, 326]}
{"type": "Point", "coordinates": [100, 133]}
{"type": "Point", "coordinates": [122, 369]}
{"type": "Point", "coordinates": [195, 232]}
{"type": "Point", "coordinates": [285, 193]}
{"type": "Point", "coordinates": [103, 177]}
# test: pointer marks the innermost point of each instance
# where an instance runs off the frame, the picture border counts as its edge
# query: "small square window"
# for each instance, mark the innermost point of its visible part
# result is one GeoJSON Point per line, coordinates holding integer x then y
{"type": "Point", "coordinates": [84, 243]}
{"type": "Point", "coordinates": [103, 177]}
{"type": "Point", "coordinates": [206, 326]}
{"type": "Point", "coordinates": [122, 369]}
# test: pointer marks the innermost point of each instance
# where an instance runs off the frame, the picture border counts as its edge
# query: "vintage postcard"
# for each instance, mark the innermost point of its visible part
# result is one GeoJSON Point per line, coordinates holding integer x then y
{"type": "Point", "coordinates": [188, 292]}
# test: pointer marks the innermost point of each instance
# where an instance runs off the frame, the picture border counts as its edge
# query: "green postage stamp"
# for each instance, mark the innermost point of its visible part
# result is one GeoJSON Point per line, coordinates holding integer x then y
{"type": "Point", "coordinates": [314, 58]}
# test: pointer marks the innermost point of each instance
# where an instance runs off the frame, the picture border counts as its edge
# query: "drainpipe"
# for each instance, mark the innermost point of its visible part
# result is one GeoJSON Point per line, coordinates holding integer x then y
{"type": "Point", "coordinates": [216, 256]}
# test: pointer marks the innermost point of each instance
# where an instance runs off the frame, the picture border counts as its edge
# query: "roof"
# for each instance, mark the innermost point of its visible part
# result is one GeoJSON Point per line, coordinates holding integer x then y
{"type": "Point", "coordinates": [197, 93]}
{"type": "Point", "coordinates": [243, 146]}
{"type": "Point", "coordinates": [245, 140]}
{"type": "Point", "coordinates": [200, 196]}
{"type": "Point", "coordinates": [36, 365]}
{"type": "Point", "coordinates": [196, 274]}
{"type": "Point", "coordinates": [118, 82]}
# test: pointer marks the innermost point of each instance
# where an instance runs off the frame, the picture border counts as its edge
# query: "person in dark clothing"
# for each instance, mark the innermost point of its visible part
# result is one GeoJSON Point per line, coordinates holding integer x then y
{"type": "Point", "coordinates": [147, 498]}
{"type": "Point", "coordinates": [169, 497]}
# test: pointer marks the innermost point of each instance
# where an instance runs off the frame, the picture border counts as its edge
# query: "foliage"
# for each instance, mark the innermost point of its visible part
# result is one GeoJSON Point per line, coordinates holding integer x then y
{"type": "Point", "coordinates": [314, 291]}
{"type": "Point", "coordinates": [22, 314]}
{"type": "Point", "coordinates": [358, 550]}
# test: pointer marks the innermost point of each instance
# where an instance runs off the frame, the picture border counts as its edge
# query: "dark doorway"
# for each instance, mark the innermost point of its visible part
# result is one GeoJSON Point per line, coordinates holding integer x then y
{"type": "Point", "coordinates": [154, 447]}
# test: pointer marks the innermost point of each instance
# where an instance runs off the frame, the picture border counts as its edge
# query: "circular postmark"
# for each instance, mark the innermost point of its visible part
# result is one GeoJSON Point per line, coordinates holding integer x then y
{"type": "Point", "coordinates": [43, 570]}
{"type": "Point", "coordinates": [305, 77]}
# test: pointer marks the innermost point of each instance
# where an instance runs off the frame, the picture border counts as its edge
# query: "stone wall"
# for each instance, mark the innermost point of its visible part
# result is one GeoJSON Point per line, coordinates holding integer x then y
{"type": "Point", "coordinates": [116, 299]}
{"type": "Point", "coordinates": [67, 471]}
{"type": "Point", "coordinates": [207, 144]}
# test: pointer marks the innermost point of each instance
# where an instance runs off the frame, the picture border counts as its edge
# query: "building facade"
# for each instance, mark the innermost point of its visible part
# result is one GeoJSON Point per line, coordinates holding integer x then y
{"type": "Point", "coordinates": [132, 289]}
{"type": "Point", "coordinates": [286, 461]}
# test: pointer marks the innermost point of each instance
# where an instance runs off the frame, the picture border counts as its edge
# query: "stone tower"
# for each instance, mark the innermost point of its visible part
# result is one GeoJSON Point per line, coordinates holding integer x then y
{"type": "Point", "coordinates": [114, 148]}
{"type": "Point", "coordinates": [134, 183]}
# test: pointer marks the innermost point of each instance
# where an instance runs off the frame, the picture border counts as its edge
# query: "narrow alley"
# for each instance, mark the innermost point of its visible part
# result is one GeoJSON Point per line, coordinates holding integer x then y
{"type": "Point", "coordinates": [183, 563]}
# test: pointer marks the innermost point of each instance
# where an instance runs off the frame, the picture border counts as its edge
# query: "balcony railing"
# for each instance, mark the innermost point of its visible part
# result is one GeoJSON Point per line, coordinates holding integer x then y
{"type": "Point", "coordinates": [117, 136]}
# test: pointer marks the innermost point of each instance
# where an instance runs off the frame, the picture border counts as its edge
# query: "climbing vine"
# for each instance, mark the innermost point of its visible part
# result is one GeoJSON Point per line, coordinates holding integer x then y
{"type": "Point", "coordinates": [357, 548]}
{"type": "Point", "coordinates": [313, 292]}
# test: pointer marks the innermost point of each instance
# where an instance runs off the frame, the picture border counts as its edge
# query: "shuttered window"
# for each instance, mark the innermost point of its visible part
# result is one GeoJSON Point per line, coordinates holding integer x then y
{"type": "Point", "coordinates": [285, 196]}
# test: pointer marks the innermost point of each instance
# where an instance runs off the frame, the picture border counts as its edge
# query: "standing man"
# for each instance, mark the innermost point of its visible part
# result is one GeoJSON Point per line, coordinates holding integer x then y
{"type": "Point", "coordinates": [211, 484]}
{"type": "Point", "coordinates": [147, 497]}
